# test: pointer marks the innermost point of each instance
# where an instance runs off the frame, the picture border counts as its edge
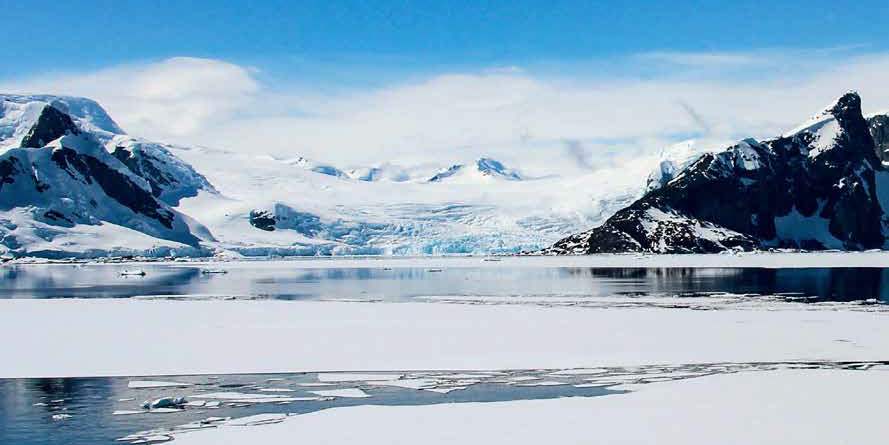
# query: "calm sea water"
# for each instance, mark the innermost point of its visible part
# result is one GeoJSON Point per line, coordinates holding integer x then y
{"type": "Point", "coordinates": [399, 284]}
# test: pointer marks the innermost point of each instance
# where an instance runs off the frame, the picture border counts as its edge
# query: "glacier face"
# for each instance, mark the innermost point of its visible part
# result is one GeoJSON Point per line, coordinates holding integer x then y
{"type": "Point", "coordinates": [84, 188]}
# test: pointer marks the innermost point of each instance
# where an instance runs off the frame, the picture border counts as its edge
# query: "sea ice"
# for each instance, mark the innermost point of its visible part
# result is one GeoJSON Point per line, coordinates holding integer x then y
{"type": "Point", "coordinates": [344, 377]}
{"type": "Point", "coordinates": [142, 384]}
{"type": "Point", "coordinates": [349, 392]}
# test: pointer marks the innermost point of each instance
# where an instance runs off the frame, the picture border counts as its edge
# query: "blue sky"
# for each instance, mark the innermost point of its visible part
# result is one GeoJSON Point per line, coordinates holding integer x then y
{"type": "Point", "coordinates": [394, 35]}
{"type": "Point", "coordinates": [525, 81]}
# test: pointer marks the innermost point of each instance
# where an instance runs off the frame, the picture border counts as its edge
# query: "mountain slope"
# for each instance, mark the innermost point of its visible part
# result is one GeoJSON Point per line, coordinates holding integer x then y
{"type": "Point", "coordinates": [61, 179]}
{"type": "Point", "coordinates": [820, 186]}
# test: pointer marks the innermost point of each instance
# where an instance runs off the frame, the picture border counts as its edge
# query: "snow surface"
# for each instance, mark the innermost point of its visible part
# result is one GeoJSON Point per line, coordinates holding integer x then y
{"type": "Point", "coordinates": [796, 227]}
{"type": "Point", "coordinates": [100, 337]}
{"type": "Point", "coordinates": [777, 407]}
{"type": "Point", "coordinates": [346, 392]}
{"type": "Point", "coordinates": [672, 160]}
{"type": "Point", "coordinates": [18, 113]}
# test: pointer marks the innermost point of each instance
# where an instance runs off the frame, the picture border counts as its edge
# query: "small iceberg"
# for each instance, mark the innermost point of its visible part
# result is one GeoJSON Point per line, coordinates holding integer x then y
{"type": "Point", "coordinates": [165, 402]}
{"type": "Point", "coordinates": [132, 272]}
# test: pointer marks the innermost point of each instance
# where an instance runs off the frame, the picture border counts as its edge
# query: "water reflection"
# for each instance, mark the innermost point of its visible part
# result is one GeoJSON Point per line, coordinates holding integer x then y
{"type": "Point", "coordinates": [398, 284]}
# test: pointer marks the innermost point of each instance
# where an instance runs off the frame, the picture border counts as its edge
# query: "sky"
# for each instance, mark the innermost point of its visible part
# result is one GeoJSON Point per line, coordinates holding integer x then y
{"type": "Point", "coordinates": [530, 82]}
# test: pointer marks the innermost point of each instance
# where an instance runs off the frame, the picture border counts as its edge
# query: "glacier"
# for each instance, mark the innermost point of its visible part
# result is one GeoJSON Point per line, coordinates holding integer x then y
{"type": "Point", "coordinates": [212, 202]}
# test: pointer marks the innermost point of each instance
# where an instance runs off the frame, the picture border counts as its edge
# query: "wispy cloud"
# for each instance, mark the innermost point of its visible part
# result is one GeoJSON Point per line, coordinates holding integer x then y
{"type": "Point", "coordinates": [516, 113]}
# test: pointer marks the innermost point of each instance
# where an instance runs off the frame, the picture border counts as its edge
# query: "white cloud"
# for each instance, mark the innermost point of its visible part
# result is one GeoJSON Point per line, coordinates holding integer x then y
{"type": "Point", "coordinates": [177, 97]}
{"type": "Point", "coordinates": [517, 114]}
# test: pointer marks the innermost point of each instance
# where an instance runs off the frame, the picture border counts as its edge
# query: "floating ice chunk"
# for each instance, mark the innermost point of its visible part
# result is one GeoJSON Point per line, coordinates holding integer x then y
{"type": "Point", "coordinates": [464, 376]}
{"type": "Point", "coordinates": [276, 390]}
{"type": "Point", "coordinates": [314, 385]}
{"type": "Point", "coordinates": [132, 272]}
{"type": "Point", "coordinates": [580, 371]}
{"type": "Point", "coordinates": [349, 392]}
{"type": "Point", "coordinates": [165, 410]}
{"type": "Point", "coordinates": [258, 419]}
{"type": "Point", "coordinates": [344, 377]}
{"type": "Point", "coordinates": [154, 439]}
{"type": "Point", "coordinates": [277, 400]}
{"type": "Point", "coordinates": [628, 386]}
{"type": "Point", "coordinates": [195, 404]}
{"type": "Point", "coordinates": [241, 398]}
{"type": "Point", "coordinates": [670, 375]}
{"type": "Point", "coordinates": [142, 384]}
{"type": "Point", "coordinates": [61, 416]}
{"type": "Point", "coordinates": [408, 383]}
{"type": "Point", "coordinates": [523, 378]}
{"type": "Point", "coordinates": [230, 395]}
{"type": "Point", "coordinates": [213, 404]}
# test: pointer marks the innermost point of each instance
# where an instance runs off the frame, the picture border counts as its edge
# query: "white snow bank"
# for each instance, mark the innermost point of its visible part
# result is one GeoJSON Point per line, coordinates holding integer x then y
{"type": "Point", "coordinates": [780, 407]}
{"type": "Point", "coordinates": [100, 337]}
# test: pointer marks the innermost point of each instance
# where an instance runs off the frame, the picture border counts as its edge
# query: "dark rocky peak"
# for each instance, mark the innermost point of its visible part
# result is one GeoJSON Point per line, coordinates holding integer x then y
{"type": "Point", "coordinates": [838, 135]}
{"type": "Point", "coordinates": [847, 107]}
{"type": "Point", "coordinates": [51, 125]}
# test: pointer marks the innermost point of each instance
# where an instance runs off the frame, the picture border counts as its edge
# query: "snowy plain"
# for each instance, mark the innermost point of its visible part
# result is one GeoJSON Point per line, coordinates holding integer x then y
{"type": "Point", "coordinates": [779, 407]}
{"type": "Point", "coordinates": [99, 337]}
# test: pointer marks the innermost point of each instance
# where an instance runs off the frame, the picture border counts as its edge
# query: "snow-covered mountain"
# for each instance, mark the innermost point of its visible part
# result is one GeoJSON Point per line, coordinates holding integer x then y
{"type": "Point", "coordinates": [74, 184]}
{"type": "Point", "coordinates": [819, 186]}
{"type": "Point", "coordinates": [482, 169]}
{"type": "Point", "coordinates": [59, 187]}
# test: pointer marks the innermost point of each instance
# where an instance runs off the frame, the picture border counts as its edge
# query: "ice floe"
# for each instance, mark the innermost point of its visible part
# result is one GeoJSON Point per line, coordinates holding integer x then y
{"type": "Point", "coordinates": [348, 392]}
{"type": "Point", "coordinates": [346, 377]}
{"type": "Point", "coordinates": [144, 384]}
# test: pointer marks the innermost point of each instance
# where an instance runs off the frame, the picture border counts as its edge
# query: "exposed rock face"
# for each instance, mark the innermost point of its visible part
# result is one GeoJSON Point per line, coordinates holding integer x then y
{"type": "Point", "coordinates": [114, 183]}
{"type": "Point", "coordinates": [817, 187]}
{"type": "Point", "coordinates": [879, 130]}
{"type": "Point", "coordinates": [263, 220]}
{"type": "Point", "coordinates": [51, 125]}
{"type": "Point", "coordinates": [170, 178]}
